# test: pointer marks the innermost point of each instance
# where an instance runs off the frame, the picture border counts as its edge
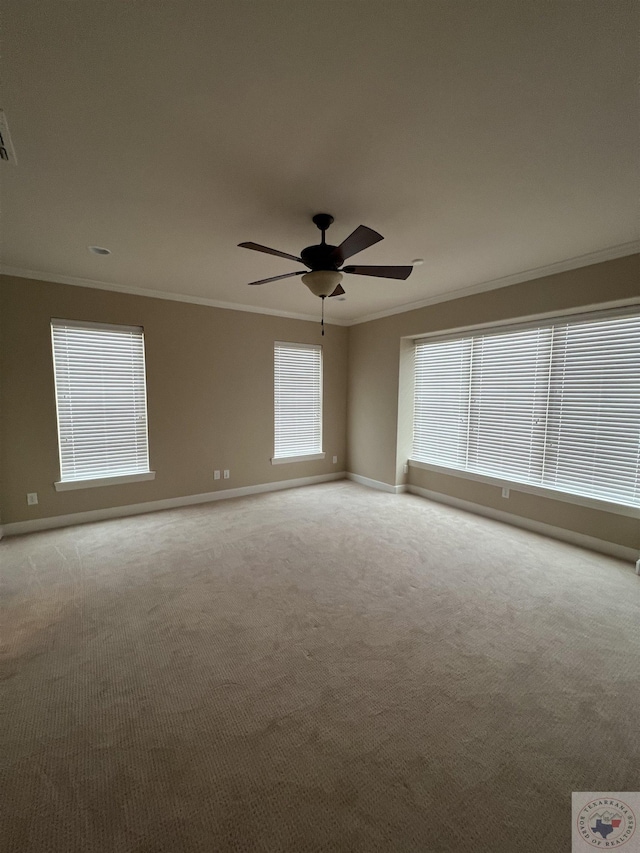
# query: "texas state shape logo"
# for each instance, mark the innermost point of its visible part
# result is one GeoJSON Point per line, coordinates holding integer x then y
{"type": "Point", "coordinates": [606, 824]}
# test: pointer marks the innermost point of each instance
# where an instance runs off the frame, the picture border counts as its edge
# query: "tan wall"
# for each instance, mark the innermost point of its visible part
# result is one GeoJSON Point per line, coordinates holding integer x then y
{"type": "Point", "coordinates": [375, 431]}
{"type": "Point", "coordinates": [588, 521]}
{"type": "Point", "coordinates": [209, 386]}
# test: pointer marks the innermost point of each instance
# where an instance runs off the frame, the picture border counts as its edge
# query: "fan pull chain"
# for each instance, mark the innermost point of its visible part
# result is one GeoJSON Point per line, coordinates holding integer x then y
{"type": "Point", "coordinates": [322, 323]}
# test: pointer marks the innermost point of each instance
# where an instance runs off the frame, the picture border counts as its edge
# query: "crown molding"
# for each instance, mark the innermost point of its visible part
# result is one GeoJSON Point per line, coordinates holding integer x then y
{"type": "Point", "coordinates": [38, 275]}
{"type": "Point", "coordinates": [609, 254]}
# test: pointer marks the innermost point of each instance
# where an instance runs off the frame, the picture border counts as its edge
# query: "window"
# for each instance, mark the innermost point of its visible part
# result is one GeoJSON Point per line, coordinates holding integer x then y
{"type": "Point", "coordinates": [556, 405]}
{"type": "Point", "coordinates": [297, 402]}
{"type": "Point", "coordinates": [101, 403]}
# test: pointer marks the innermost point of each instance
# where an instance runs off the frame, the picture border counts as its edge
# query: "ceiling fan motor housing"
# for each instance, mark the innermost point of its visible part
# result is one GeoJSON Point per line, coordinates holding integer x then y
{"type": "Point", "coordinates": [321, 257]}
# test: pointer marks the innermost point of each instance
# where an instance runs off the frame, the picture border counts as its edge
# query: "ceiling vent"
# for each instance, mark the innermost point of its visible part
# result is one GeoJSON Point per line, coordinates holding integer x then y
{"type": "Point", "coordinates": [6, 145]}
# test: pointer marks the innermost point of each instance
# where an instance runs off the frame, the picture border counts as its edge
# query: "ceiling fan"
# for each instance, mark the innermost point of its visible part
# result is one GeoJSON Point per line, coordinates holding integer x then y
{"type": "Point", "coordinates": [325, 262]}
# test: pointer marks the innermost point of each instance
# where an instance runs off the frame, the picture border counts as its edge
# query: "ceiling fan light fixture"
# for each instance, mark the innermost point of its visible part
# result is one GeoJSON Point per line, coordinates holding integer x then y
{"type": "Point", "coordinates": [322, 282]}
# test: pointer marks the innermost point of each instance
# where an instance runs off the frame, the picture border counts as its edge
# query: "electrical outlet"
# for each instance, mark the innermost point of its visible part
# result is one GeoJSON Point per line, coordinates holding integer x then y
{"type": "Point", "coordinates": [226, 473]}
{"type": "Point", "coordinates": [505, 492]}
{"type": "Point", "coordinates": [405, 468]}
{"type": "Point", "coordinates": [32, 498]}
{"type": "Point", "coordinates": [216, 474]}
{"type": "Point", "coordinates": [335, 459]}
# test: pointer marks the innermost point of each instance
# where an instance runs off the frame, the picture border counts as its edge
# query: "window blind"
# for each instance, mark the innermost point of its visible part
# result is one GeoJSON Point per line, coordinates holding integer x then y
{"type": "Point", "coordinates": [441, 411]}
{"type": "Point", "coordinates": [557, 405]}
{"type": "Point", "coordinates": [297, 400]}
{"type": "Point", "coordinates": [594, 414]}
{"type": "Point", "coordinates": [101, 400]}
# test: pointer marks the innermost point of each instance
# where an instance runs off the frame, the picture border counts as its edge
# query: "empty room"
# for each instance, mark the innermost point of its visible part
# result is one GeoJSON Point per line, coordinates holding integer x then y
{"type": "Point", "coordinates": [320, 426]}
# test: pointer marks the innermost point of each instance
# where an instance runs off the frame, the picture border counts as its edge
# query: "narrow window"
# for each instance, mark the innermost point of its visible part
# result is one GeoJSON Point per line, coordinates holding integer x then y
{"type": "Point", "coordinates": [101, 403]}
{"type": "Point", "coordinates": [297, 402]}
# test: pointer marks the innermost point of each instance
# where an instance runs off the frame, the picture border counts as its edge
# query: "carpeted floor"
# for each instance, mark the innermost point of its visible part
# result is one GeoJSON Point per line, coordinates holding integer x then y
{"type": "Point", "coordinates": [323, 669]}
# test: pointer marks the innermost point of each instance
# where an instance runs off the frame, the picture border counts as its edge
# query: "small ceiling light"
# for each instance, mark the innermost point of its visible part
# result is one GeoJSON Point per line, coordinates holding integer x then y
{"type": "Point", "coordinates": [99, 250]}
{"type": "Point", "coordinates": [322, 283]}
{"type": "Point", "coordinates": [417, 262]}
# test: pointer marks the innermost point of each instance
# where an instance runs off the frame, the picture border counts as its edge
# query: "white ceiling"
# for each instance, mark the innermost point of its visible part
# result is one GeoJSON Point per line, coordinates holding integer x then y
{"type": "Point", "coordinates": [489, 137]}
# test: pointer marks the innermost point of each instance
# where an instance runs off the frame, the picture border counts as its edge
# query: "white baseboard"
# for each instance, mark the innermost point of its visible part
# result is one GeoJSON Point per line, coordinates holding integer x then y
{"type": "Point", "coordinates": [601, 545]}
{"type": "Point", "coordinates": [18, 527]}
{"type": "Point", "coordinates": [376, 484]}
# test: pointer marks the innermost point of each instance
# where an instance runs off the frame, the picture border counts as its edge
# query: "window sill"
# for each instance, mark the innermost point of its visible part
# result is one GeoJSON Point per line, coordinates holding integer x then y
{"type": "Point", "coordinates": [68, 485]}
{"type": "Point", "coordinates": [554, 494]}
{"type": "Point", "coordinates": [282, 460]}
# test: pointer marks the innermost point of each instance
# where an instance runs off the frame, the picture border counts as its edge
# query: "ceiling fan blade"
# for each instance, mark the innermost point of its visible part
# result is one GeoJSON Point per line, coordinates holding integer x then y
{"type": "Point", "coordinates": [381, 272]}
{"type": "Point", "coordinates": [258, 248]}
{"type": "Point", "coordinates": [277, 277]}
{"type": "Point", "coordinates": [338, 291]}
{"type": "Point", "coordinates": [357, 241]}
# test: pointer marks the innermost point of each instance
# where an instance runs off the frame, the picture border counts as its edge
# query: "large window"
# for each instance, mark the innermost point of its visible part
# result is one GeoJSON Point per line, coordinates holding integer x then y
{"type": "Point", "coordinates": [101, 403]}
{"type": "Point", "coordinates": [555, 406]}
{"type": "Point", "coordinates": [297, 402]}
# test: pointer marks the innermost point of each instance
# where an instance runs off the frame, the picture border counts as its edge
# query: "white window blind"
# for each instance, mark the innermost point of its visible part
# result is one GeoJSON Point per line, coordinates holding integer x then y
{"type": "Point", "coordinates": [297, 400]}
{"type": "Point", "coordinates": [441, 412]}
{"type": "Point", "coordinates": [556, 406]}
{"type": "Point", "coordinates": [508, 401]}
{"type": "Point", "coordinates": [101, 400]}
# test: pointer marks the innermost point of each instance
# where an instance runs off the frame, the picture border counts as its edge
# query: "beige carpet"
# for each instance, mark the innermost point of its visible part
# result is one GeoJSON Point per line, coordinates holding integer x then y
{"type": "Point", "coordinates": [324, 669]}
